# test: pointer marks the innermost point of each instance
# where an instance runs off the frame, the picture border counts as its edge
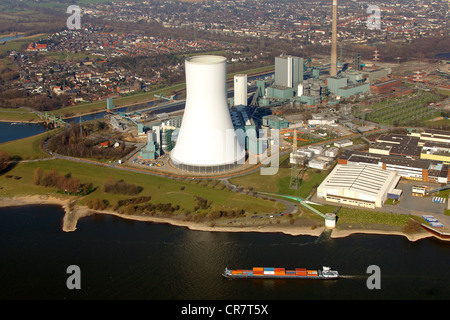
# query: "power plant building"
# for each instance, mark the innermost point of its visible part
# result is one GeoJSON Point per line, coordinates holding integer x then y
{"type": "Point", "coordinates": [347, 86]}
{"type": "Point", "coordinates": [288, 71]}
{"type": "Point", "coordinates": [288, 75]}
{"type": "Point", "coordinates": [207, 141]}
{"type": "Point", "coordinates": [152, 149]}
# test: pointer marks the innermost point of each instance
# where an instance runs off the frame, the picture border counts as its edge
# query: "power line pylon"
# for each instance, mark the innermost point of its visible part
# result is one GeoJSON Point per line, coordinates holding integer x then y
{"type": "Point", "coordinates": [295, 171]}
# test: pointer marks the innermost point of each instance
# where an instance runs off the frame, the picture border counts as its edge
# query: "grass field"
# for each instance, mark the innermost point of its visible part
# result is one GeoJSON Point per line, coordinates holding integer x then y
{"type": "Point", "coordinates": [161, 190]}
{"type": "Point", "coordinates": [19, 114]}
{"type": "Point", "coordinates": [362, 217]}
{"type": "Point", "coordinates": [19, 182]}
{"type": "Point", "coordinates": [279, 183]}
{"type": "Point", "coordinates": [27, 148]}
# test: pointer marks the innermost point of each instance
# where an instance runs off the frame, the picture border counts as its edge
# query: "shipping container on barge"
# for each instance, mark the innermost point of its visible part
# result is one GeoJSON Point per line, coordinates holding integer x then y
{"type": "Point", "coordinates": [282, 273]}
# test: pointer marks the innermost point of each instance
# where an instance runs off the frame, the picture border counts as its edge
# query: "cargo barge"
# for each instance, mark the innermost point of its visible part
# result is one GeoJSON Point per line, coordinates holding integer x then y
{"type": "Point", "coordinates": [281, 273]}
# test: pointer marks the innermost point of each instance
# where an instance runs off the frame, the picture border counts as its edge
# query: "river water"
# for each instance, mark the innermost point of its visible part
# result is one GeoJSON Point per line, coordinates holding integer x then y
{"type": "Point", "coordinates": [122, 259]}
{"type": "Point", "coordinates": [10, 132]}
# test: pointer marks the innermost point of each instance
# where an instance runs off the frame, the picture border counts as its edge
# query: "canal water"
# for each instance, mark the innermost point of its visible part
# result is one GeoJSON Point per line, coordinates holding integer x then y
{"type": "Point", "coordinates": [122, 259]}
{"type": "Point", "coordinates": [14, 131]}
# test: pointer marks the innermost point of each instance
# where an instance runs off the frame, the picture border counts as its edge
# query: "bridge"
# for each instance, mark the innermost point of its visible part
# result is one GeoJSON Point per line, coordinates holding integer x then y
{"type": "Point", "coordinates": [49, 120]}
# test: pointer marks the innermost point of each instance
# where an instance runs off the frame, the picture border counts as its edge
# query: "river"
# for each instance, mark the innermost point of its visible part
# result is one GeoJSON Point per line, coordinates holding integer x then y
{"type": "Point", "coordinates": [11, 132]}
{"type": "Point", "coordinates": [122, 259]}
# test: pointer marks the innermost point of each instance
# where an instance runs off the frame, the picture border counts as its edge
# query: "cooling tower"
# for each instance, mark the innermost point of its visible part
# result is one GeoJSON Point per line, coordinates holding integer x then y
{"type": "Point", "coordinates": [207, 142]}
{"type": "Point", "coordinates": [333, 66]}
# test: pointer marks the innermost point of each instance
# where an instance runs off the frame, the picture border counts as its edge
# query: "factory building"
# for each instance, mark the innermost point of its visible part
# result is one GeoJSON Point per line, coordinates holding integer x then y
{"type": "Point", "coordinates": [167, 141]}
{"type": "Point", "coordinates": [207, 141]}
{"type": "Point", "coordinates": [437, 151]}
{"type": "Point", "coordinates": [334, 83]}
{"type": "Point", "coordinates": [343, 143]}
{"type": "Point", "coordinates": [275, 122]}
{"type": "Point", "coordinates": [288, 71]}
{"type": "Point", "coordinates": [397, 144]}
{"type": "Point", "coordinates": [377, 74]}
{"type": "Point", "coordinates": [408, 168]}
{"type": "Point", "coordinates": [322, 119]}
{"type": "Point", "coordinates": [432, 135]}
{"type": "Point", "coordinates": [288, 75]}
{"type": "Point", "coordinates": [358, 185]}
{"type": "Point", "coordinates": [348, 85]}
{"type": "Point", "coordinates": [385, 87]}
{"type": "Point", "coordinates": [353, 90]}
{"type": "Point", "coordinates": [152, 149]}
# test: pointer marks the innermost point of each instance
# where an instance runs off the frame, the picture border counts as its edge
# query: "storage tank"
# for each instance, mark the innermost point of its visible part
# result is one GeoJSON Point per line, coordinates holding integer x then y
{"type": "Point", "coordinates": [240, 90]}
{"type": "Point", "coordinates": [207, 142]}
{"type": "Point", "coordinates": [330, 220]}
{"type": "Point", "coordinates": [299, 90]}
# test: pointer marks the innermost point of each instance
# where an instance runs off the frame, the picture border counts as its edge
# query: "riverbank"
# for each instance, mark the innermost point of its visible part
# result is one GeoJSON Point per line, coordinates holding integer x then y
{"type": "Point", "coordinates": [75, 212]}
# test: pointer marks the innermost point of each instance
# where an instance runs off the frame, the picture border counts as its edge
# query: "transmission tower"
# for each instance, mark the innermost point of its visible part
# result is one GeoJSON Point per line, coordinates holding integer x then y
{"type": "Point", "coordinates": [295, 171]}
{"type": "Point", "coordinates": [376, 55]}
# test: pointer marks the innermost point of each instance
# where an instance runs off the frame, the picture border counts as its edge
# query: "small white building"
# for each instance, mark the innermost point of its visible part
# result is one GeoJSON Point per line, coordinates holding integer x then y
{"type": "Point", "coordinates": [317, 164]}
{"type": "Point", "coordinates": [316, 149]}
{"type": "Point", "coordinates": [343, 143]}
{"type": "Point", "coordinates": [321, 119]}
{"type": "Point", "coordinates": [332, 152]}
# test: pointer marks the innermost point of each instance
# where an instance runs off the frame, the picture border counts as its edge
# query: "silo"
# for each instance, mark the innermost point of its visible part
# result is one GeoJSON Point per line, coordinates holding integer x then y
{"type": "Point", "coordinates": [207, 142]}
{"type": "Point", "coordinates": [240, 90]}
{"type": "Point", "coordinates": [299, 90]}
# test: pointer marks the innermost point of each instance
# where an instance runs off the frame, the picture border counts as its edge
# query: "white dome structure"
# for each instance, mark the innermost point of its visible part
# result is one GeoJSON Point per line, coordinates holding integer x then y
{"type": "Point", "coordinates": [207, 142]}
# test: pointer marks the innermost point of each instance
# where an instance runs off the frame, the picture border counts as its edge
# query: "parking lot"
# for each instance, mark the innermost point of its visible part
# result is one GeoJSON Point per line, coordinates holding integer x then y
{"type": "Point", "coordinates": [414, 204]}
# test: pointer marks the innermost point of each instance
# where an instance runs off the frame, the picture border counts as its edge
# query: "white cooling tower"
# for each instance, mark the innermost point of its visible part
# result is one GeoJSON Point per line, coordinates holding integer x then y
{"type": "Point", "coordinates": [207, 141]}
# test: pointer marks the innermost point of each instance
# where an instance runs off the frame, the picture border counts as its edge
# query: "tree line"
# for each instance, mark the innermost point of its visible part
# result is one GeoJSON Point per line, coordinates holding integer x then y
{"type": "Point", "coordinates": [65, 183]}
{"type": "Point", "coordinates": [74, 142]}
{"type": "Point", "coordinates": [112, 185]}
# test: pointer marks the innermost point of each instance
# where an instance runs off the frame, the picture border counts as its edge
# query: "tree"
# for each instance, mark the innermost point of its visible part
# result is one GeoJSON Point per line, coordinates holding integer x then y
{"type": "Point", "coordinates": [4, 161]}
{"type": "Point", "coordinates": [38, 175]}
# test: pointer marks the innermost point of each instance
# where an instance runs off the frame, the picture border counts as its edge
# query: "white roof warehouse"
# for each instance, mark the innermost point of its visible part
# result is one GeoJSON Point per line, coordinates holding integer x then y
{"type": "Point", "coordinates": [358, 185]}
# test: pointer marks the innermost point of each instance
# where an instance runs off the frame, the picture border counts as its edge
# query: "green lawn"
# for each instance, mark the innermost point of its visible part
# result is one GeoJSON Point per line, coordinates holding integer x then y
{"type": "Point", "coordinates": [361, 216]}
{"type": "Point", "coordinates": [280, 182]}
{"type": "Point", "coordinates": [19, 114]}
{"type": "Point", "coordinates": [162, 190]}
{"type": "Point", "coordinates": [19, 181]}
{"type": "Point", "coordinates": [27, 148]}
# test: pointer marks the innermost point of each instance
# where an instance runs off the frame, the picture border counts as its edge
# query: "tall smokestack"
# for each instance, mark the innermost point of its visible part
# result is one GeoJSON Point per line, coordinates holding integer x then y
{"type": "Point", "coordinates": [333, 66]}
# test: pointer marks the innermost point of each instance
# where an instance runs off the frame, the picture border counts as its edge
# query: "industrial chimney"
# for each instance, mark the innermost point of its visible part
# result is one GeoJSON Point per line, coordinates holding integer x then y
{"type": "Point", "coordinates": [207, 142]}
{"type": "Point", "coordinates": [333, 65]}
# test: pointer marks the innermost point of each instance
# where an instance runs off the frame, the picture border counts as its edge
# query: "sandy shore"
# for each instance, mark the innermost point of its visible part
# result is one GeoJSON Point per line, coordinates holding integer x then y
{"type": "Point", "coordinates": [74, 213]}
